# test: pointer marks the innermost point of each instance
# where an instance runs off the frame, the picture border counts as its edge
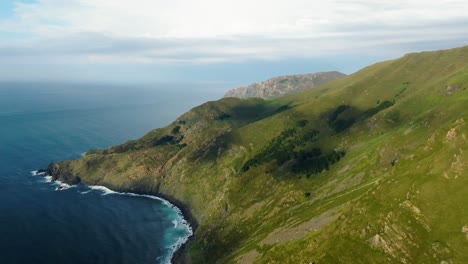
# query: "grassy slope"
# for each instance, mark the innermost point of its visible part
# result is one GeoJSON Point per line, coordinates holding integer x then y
{"type": "Point", "coordinates": [398, 195]}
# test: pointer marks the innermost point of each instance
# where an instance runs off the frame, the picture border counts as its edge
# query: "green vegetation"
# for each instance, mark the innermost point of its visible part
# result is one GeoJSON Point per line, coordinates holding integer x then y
{"type": "Point", "coordinates": [164, 140]}
{"type": "Point", "coordinates": [175, 130]}
{"type": "Point", "coordinates": [374, 110]}
{"type": "Point", "coordinates": [339, 123]}
{"type": "Point", "coordinates": [288, 147]}
{"type": "Point", "coordinates": [370, 168]}
{"type": "Point", "coordinates": [223, 116]}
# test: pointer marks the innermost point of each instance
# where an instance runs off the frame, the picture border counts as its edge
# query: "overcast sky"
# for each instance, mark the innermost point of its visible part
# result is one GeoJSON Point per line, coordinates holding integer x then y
{"type": "Point", "coordinates": [215, 40]}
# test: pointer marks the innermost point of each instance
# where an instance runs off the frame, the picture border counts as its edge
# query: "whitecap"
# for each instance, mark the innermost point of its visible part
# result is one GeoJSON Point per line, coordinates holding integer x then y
{"type": "Point", "coordinates": [63, 186]}
{"type": "Point", "coordinates": [174, 247]}
{"type": "Point", "coordinates": [103, 189]}
{"type": "Point", "coordinates": [60, 185]}
{"type": "Point", "coordinates": [179, 223]}
{"type": "Point", "coordinates": [48, 178]}
{"type": "Point", "coordinates": [36, 173]}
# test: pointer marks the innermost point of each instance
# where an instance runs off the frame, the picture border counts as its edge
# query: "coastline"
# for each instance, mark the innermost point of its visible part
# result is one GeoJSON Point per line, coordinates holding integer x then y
{"type": "Point", "coordinates": [178, 256]}
{"type": "Point", "coordinates": [181, 246]}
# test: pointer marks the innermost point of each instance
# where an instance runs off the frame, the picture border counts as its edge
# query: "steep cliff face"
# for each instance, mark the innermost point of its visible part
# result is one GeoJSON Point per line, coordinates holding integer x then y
{"type": "Point", "coordinates": [371, 168]}
{"type": "Point", "coordinates": [283, 85]}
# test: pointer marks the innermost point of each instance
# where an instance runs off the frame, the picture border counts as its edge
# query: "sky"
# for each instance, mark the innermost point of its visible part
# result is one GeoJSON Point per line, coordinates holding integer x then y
{"type": "Point", "coordinates": [232, 41]}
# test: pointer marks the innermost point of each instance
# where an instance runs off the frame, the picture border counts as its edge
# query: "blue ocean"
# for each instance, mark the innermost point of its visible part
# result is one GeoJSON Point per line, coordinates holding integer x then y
{"type": "Point", "coordinates": [40, 222]}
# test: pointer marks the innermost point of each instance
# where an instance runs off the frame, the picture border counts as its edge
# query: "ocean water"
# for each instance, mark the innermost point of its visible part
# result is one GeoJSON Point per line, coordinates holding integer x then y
{"type": "Point", "coordinates": [40, 123]}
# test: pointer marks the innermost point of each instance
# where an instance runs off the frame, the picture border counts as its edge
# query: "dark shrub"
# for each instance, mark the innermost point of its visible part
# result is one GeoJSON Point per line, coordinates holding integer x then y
{"type": "Point", "coordinates": [175, 130]}
{"type": "Point", "coordinates": [165, 140]}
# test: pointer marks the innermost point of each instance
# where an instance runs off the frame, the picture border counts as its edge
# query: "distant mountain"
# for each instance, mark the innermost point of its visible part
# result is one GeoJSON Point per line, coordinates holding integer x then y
{"type": "Point", "coordinates": [283, 85]}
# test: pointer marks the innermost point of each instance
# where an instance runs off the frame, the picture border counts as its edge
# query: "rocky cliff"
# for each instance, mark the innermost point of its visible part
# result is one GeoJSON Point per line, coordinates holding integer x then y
{"type": "Point", "coordinates": [284, 85]}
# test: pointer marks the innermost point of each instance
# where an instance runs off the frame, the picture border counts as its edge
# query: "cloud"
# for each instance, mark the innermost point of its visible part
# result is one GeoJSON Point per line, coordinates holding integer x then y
{"type": "Point", "coordinates": [207, 31]}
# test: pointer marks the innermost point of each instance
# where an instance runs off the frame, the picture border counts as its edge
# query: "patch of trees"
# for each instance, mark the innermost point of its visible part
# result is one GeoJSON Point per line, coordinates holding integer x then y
{"type": "Point", "coordinates": [342, 124]}
{"type": "Point", "coordinates": [374, 110]}
{"type": "Point", "coordinates": [284, 148]}
{"type": "Point", "coordinates": [128, 146]}
{"type": "Point", "coordinates": [314, 163]}
{"type": "Point", "coordinates": [167, 140]}
{"type": "Point", "coordinates": [339, 123]}
{"type": "Point", "coordinates": [223, 116]}
{"type": "Point", "coordinates": [181, 146]}
{"type": "Point", "coordinates": [164, 140]}
{"type": "Point", "coordinates": [334, 115]}
{"type": "Point", "coordinates": [175, 130]}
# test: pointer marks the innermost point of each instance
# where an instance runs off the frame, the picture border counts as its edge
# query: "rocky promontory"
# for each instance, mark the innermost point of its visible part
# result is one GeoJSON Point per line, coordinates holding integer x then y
{"type": "Point", "coordinates": [284, 85]}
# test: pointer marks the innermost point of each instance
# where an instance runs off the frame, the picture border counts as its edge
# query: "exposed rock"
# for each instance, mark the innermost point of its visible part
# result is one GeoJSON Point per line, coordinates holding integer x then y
{"type": "Point", "coordinates": [64, 176]}
{"type": "Point", "coordinates": [451, 134]}
{"type": "Point", "coordinates": [378, 242]}
{"type": "Point", "coordinates": [283, 85]}
{"type": "Point", "coordinates": [449, 89]}
{"type": "Point", "coordinates": [411, 207]}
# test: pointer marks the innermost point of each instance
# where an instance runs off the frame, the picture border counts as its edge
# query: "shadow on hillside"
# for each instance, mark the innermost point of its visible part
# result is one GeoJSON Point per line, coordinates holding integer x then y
{"type": "Point", "coordinates": [242, 114]}
{"type": "Point", "coordinates": [251, 110]}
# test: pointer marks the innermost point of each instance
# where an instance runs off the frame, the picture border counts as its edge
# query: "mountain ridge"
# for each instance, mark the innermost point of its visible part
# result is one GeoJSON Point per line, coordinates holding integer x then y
{"type": "Point", "coordinates": [283, 85]}
{"type": "Point", "coordinates": [350, 171]}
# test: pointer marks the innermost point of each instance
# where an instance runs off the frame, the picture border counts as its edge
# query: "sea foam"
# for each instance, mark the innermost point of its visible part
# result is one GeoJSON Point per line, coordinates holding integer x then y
{"type": "Point", "coordinates": [103, 189]}
{"type": "Point", "coordinates": [36, 173]}
{"type": "Point", "coordinates": [179, 223]}
{"type": "Point", "coordinates": [63, 186]}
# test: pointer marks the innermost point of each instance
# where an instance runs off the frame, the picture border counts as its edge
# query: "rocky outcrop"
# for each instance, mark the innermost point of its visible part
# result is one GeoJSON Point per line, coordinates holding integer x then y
{"type": "Point", "coordinates": [64, 176]}
{"type": "Point", "coordinates": [284, 85]}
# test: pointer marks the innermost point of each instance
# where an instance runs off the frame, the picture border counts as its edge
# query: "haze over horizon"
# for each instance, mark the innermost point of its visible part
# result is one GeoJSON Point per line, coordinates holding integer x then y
{"type": "Point", "coordinates": [215, 41]}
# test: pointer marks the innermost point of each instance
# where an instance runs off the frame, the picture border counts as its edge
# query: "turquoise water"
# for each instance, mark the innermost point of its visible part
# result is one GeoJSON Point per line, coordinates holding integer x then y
{"type": "Point", "coordinates": [40, 123]}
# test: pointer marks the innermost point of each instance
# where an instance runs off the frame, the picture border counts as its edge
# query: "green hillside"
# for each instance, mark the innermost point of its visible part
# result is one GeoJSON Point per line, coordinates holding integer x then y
{"type": "Point", "coordinates": [370, 168]}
